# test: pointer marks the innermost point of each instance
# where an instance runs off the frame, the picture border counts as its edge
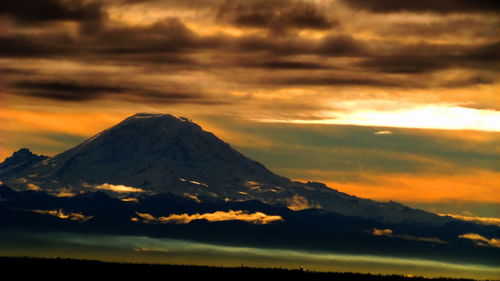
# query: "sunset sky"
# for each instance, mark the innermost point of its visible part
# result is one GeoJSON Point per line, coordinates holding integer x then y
{"type": "Point", "coordinates": [383, 99]}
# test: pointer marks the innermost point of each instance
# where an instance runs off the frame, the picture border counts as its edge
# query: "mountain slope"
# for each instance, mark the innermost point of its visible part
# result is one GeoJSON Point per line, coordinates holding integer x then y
{"type": "Point", "coordinates": [158, 153]}
{"type": "Point", "coordinates": [237, 224]}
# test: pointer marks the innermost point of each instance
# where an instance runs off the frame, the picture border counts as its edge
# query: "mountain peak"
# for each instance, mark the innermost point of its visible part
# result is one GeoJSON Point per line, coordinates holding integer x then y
{"type": "Point", "coordinates": [158, 121]}
{"type": "Point", "coordinates": [164, 116]}
{"type": "Point", "coordinates": [23, 152]}
{"type": "Point", "coordinates": [21, 158]}
{"type": "Point", "coordinates": [155, 153]}
{"type": "Point", "coordinates": [152, 153]}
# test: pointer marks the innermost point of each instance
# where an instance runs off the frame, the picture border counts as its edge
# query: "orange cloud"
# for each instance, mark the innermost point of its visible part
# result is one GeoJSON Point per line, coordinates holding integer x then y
{"type": "Point", "coordinates": [256, 218]}
{"type": "Point", "coordinates": [382, 232]}
{"type": "Point", "coordinates": [60, 213]}
{"type": "Point", "coordinates": [34, 187]}
{"type": "Point", "coordinates": [118, 188]}
{"type": "Point", "coordinates": [481, 240]}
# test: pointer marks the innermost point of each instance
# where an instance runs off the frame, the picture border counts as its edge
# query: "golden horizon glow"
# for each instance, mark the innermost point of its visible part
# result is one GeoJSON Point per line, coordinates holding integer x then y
{"type": "Point", "coordinates": [434, 116]}
{"type": "Point", "coordinates": [472, 186]}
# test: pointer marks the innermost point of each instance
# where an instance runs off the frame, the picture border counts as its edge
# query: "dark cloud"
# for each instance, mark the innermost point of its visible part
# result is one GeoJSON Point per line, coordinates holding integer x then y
{"type": "Point", "coordinates": [469, 26]}
{"type": "Point", "coordinates": [90, 14]}
{"type": "Point", "coordinates": [470, 80]}
{"type": "Point", "coordinates": [65, 90]}
{"type": "Point", "coordinates": [292, 65]}
{"type": "Point", "coordinates": [405, 64]}
{"type": "Point", "coordinates": [167, 36]}
{"type": "Point", "coordinates": [485, 53]}
{"type": "Point", "coordinates": [190, 4]}
{"type": "Point", "coordinates": [276, 16]}
{"type": "Point", "coordinates": [332, 80]}
{"type": "Point", "coordinates": [341, 45]}
{"type": "Point", "coordinates": [423, 58]}
{"type": "Point", "coordinates": [169, 46]}
{"type": "Point", "coordinates": [33, 46]}
{"type": "Point", "coordinates": [74, 91]}
{"type": "Point", "coordinates": [420, 6]}
{"type": "Point", "coordinates": [276, 46]}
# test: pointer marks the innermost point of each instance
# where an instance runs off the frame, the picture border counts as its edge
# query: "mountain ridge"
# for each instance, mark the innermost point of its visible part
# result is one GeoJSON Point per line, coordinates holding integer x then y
{"type": "Point", "coordinates": [150, 153]}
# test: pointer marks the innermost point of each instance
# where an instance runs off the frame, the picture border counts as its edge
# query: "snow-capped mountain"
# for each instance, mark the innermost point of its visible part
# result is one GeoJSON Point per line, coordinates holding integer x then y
{"type": "Point", "coordinates": [149, 154]}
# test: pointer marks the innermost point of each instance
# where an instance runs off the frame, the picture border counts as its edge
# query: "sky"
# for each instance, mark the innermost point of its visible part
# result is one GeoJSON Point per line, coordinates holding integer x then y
{"type": "Point", "coordinates": [383, 99]}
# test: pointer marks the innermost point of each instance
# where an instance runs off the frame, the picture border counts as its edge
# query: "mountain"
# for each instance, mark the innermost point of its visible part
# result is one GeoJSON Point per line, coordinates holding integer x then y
{"type": "Point", "coordinates": [150, 154]}
{"type": "Point", "coordinates": [20, 160]}
{"type": "Point", "coordinates": [35, 214]}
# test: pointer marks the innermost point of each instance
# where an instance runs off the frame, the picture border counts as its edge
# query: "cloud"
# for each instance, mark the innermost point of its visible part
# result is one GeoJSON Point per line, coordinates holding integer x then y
{"type": "Point", "coordinates": [90, 15]}
{"type": "Point", "coordinates": [481, 240]}
{"type": "Point", "coordinates": [331, 80]}
{"type": "Point", "coordinates": [426, 58]}
{"type": "Point", "coordinates": [169, 35]}
{"type": "Point", "coordinates": [297, 203]}
{"type": "Point", "coordinates": [60, 213]}
{"type": "Point", "coordinates": [276, 16]}
{"type": "Point", "coordinates": [341, 45]}
{"type": "Point", "coordinates": [34, 187]}
{"type": "Point", "coordinates": [27, 46]}
{"type": "Point", "coordinates": [390, 233]}
{"type": "Point", "coordinates": [382, 232]}
{"type": "Point", "coordinates": [384, 132]}
{"type": "Point", "coordinates": [79, 91]}
{"type": "Point", "coordinates": [285, 65]}
{"type": "Point", "coordinates": [476, 219]}
{"type": "Point", "coordinates": [405, 64]}
{"type": "Point", "coordinates": [132, 199]}
{"type": "Point", "coordinates": [118, 188]}
{"type": "Point", "coordinates": [65, 90]}
{"type": "Point", "coordinates": [431, 116]}
{"type": "Point", "coordinates": [441, 7]}
{"type": "Point", "coordinates": [255, 218]}
{"type": "Point", "coordinates": [33, 11]}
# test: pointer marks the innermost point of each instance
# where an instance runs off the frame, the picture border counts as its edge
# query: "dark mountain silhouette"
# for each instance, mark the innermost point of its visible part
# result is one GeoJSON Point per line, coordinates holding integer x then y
{"type": "Point", "coordinates": [20, 160]}
{"type": "Point", "coordinates": [312, 229]}
{"type": "Point", "coordinates": [159, 153]}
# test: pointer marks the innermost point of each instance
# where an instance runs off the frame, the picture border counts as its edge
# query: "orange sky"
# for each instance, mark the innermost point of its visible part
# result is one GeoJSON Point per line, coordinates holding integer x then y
{"type": "Point", "coordinates": [276, 79]}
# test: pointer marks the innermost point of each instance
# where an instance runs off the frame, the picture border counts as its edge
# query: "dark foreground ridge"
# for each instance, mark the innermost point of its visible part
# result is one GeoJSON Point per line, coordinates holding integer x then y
{"type": "Point", "coordinates": [63, 267]}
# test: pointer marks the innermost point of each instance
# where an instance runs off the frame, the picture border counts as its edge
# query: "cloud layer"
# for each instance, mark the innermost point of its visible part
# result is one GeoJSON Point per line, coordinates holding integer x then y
{"type": "Point", "coordinates": [255, 218]}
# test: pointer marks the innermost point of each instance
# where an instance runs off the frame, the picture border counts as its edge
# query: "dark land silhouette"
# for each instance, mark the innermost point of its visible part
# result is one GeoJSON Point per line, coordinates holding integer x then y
{"type": "Point", "coordinates": [83, 268]}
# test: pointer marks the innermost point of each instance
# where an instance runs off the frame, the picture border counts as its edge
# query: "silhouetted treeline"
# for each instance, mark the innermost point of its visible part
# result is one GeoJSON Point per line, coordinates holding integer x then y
{"type": "Point", "coordinates": [72, 269]}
